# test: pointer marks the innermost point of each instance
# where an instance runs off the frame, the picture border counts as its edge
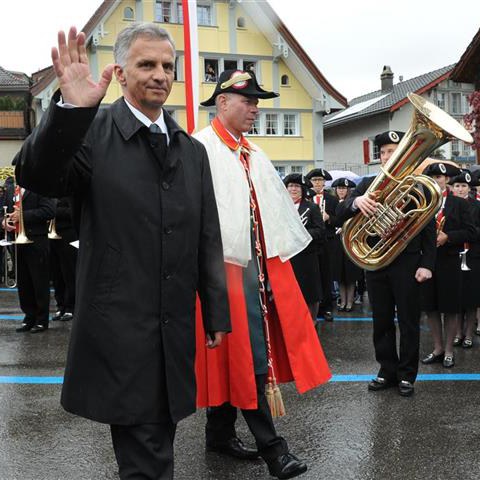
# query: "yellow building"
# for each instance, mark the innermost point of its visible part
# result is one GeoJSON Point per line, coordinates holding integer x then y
{"type": "Point", "coordinates": [232, 34]}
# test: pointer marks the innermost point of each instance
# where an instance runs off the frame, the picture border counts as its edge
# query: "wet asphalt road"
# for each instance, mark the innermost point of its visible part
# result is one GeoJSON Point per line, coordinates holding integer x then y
{"type": "Point", "coordinates": [342, 430]}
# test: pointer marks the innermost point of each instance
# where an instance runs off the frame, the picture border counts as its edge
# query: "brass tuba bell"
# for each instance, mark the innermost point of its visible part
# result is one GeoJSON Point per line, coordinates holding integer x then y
{"type": "Point", "coordinates": [374, 242]}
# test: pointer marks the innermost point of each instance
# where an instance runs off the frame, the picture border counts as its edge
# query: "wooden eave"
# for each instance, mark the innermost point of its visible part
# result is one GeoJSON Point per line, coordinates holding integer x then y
{"type": "Point", "coordinates": [468, 67]}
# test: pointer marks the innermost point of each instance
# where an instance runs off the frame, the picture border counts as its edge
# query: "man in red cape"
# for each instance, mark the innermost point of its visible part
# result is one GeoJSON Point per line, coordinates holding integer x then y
{"type": "Point", "coordinates": [273, 339]}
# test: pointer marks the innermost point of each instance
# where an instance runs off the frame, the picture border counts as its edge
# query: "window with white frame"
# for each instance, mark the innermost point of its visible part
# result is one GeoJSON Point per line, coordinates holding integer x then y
{"type": "Point", "coordinates": [179, 12]}
{"type": "Point", "coordinates": [281, 170]}
{"type": "Point", "coordinates": [467, 150]}
{"type": "Point", "coordinates": [163, 11]}
{"type": "Point", "coordinates": [296, 169]}
{"type": "Point", "coordinates": [441, 100]}
{"type": "Point", "coordinates": [456, 105]}
{"type": "Point", "coordinates": [128, 13]}
{"type": "Point", "coordinates": [465, 103]}
{"type": "Point", "coordinates": [211, 70]}
{"type": "Point", "coordinates": [289, 124]}
{"type": "Point", "coordinates": [249, 66]}
{"type": "Point", "coordinates": [230, 64]}
{"type": "Point", "coordinates": [455, 148]}
{"type": "Point", "coordinates": [255, 130]}
{"type": "Point", "coordinates": [204, 14]}
{"type": "Point", "coordinates": [271, 124]}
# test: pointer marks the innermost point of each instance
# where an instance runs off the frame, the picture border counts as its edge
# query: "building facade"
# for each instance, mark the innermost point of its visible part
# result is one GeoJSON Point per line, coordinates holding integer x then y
{"type": "Point", "coordinates": [232, 34]}
{"type": "Point", "coordinates": [349, 134]}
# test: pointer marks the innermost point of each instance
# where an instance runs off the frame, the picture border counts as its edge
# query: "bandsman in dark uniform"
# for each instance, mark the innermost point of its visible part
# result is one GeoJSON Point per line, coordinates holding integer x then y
{"type": "Point", "coordinates": [470, 260]}
{"type": "Point", "coordinates": [327, 204]}
{"type": "Point", "coordinates": [443, 292]}
{"type": "Point", "coordinates": [32, 258]}
{"type": "Point", "coordinates": [344, 271]}
{"type": "Point", "coordinates": [305, 263]}
{"type": "Point", "coordinates": [394, 287]}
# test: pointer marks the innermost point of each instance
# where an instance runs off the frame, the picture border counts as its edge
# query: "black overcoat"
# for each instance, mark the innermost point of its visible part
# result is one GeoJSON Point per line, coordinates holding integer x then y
{"type": "Point", "coordinates": [305, 264]}
{"type": "Point", "coordinates": [149, 239]}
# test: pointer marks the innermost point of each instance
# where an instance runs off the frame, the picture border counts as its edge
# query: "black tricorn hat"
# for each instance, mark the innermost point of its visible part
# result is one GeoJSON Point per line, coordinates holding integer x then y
{"type": "Point", "coordinates": [465, 176]}
{"type": "Point", "coordinates": [238, 81]}
{"type": "Point", "coordinates": [439, 168]}
{"type": "Point", "coordinates": [385, 138]}
{"type": "Point", "coordinates": [318, 172]}
{"type": "Point", "coordinates": [299, 179]}
{"type": "Point", "coordinates": [343, 182]}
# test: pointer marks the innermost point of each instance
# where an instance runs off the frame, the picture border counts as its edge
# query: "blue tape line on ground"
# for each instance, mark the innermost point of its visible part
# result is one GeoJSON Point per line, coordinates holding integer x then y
{"type": "Point", "coordinates": [12, 316]}
{"type": "Point", "coordinates": [34, 380]}
{"type": "Point", "coordinates": [348, 319]}
{"type": "Point", "coordinates": [424, 377]}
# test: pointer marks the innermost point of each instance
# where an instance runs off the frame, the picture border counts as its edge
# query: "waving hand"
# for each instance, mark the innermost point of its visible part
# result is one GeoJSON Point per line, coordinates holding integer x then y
{"type": "Point", "coordinates": [70, 62]}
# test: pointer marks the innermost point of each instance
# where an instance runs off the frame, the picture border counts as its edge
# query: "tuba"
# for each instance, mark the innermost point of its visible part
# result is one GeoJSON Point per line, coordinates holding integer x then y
{"type": "Point", "coordinates": [374, 242]}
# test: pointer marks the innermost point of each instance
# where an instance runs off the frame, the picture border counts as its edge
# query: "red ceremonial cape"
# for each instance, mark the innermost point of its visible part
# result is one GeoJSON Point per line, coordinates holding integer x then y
{"type": "Point", "coordinates": [226, 373]}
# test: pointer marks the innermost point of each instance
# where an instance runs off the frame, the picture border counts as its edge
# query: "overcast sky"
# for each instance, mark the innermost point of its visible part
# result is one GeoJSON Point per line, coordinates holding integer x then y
{"type": "Point", "coordinates": [349, 40]}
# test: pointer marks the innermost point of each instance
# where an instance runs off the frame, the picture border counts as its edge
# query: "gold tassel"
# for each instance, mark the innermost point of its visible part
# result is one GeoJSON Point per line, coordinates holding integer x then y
{"type": "Point", "coordinates": [274, 399]}
{"type": "Point", "coordinates": [279, 406]}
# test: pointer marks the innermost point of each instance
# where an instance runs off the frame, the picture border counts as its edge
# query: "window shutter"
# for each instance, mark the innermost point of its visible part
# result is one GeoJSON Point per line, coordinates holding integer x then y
{"type": "Point", "coordinates": [366, 152]}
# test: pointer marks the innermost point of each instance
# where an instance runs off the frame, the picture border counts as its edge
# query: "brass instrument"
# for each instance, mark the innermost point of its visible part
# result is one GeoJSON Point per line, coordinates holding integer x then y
{"type": "Point", "coordinates": [52, 231]}
{"type": "Point", "coordinates": [20, 236]}
{"type": "Point", "coordinates": [374, 242]}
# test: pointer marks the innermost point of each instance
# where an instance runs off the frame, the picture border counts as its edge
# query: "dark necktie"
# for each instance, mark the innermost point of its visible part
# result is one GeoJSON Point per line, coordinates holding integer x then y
{"type": "Point", "coordinates": [158, 142]}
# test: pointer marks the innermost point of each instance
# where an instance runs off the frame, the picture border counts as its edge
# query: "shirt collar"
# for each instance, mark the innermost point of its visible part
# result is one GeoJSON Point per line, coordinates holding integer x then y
{"type": "Point", "coordinates": [160, 121]}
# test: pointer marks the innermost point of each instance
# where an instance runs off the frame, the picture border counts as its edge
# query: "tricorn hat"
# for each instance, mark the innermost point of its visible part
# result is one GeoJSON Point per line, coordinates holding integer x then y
{"type": "Point", "coordinates": [343, 182]}
{"type": "Point", "coordinates": [440, 168]}
{"type": "Point", "coordinates": [385, 138]}
{"type": "Point", "coordinates": [318, 172]}
{"type": "Point", "coordinates": [299, 179]}
{"type": "Point", "coordinates": [465, 176]}
{"type": "Point", "coordinates": [238, 81]}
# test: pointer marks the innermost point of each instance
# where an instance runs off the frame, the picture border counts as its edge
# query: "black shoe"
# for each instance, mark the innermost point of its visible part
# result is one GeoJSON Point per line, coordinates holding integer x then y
{"type": "Point", "coordinates": [380, 383]}
{"type": "Point", "coordinates": [448, 361]}
{"type": "Point", "coordinates": [286, 466]}
{"type": "Point", "coordinates": [432, 358]}
{"type": "Point", "coordinates": [405, 389]}
{"type": "Point", "coordinates": [58, 315]}
{"type": "Point", "coordinates": [38, 328]}
{"type": "Point", "coordinates": [235, 448]}
{"type": "Point", "coordinates": [24, 328]}
{"type": "Point", "coordinates": [457, 341]}
{"type": "Point", "coordinates": [328, 317]}
{"type": "Point", "coordinates": [66, 317]}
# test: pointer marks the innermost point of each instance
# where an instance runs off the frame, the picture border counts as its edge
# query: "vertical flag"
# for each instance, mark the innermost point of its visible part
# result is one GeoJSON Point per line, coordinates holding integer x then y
{"type": "Point", "coordinates": [190, 36]}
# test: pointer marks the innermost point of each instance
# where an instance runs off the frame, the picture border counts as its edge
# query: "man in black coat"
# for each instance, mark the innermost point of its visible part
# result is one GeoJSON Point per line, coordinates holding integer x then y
{"type": "Point", "coordinates": [327, 204]}
{"type": "Point", "coordinates": [395, 287]}
{"type": "Point", "coordinates": [32, 258]}
{"type": "Point", "coordinates": [149, 240]}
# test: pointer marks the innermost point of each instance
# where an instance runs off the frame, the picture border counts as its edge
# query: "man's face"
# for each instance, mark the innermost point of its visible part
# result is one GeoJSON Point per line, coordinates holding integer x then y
{"type": "Point", "coordinates": [441, 180]}
{"type": "Point", "coordinates": [238, 112]}
{"type": "Point", "coordinates": [318, 184]}
{"type": "Point", "coordinates": [461, 189]}
{"type": "Point", "coordinates": [148, 74]}
{"type": "Point", "coordinates": [386, 152]}
{"type": "Point", "coordinates": [295, 191]}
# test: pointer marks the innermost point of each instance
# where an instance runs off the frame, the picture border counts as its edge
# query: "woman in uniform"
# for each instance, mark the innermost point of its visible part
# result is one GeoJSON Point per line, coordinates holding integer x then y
{"type": "Point", "coordinates": [344, 271]}
{"type": "Point", "coordinates": [470, 265]}
{"type": "Point", "coordinates": [305, 264]}
{"type": "Point", "coordinates": [443, 292]}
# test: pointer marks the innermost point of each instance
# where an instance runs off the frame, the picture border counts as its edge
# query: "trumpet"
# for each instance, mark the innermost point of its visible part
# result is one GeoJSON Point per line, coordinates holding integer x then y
{"type": "Point", "coordinates": [9, 260]}
{"type": "Point", "coordinates": [463, 255]}
{"type": "Point", "coordinates": [52, 231]}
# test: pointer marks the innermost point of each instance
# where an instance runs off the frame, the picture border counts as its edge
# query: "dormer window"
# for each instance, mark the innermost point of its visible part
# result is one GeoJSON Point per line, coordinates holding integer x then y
{"type": "Point", "coordinates": [128, 13]}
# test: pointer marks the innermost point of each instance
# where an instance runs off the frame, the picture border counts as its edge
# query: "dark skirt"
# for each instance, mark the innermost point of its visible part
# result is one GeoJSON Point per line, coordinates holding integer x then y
{"type": "Point", "coordinates": [343, 269]}
{"type": "Point", "coordinates": [471, 284]}
{"type": "Point", "coordinates": [443, 292]}
{"type": "Point", "coordinates": [307, 272]}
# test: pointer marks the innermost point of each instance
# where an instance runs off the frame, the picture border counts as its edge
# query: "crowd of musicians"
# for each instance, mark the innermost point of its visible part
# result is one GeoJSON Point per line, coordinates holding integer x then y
{"type": "Point", "coordinates": [201, 276]}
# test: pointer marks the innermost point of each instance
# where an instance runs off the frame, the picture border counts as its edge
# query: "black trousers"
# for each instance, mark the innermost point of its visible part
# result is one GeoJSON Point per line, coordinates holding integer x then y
{"type": "Point", "coordinates": [390, 287]}
{"type": "Point", "coordinates": [63, 260]}
{"type": "Point", "coordinates": [221, 425]}
{"type": "Point", "coordinates": [33, 280]}
{"type": "Point", "coordinates": [144, 452]}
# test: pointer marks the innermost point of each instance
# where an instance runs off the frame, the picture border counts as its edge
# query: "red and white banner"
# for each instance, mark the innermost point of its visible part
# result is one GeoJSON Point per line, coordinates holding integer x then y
{"type": "Point", "coordinates": [190, 36]}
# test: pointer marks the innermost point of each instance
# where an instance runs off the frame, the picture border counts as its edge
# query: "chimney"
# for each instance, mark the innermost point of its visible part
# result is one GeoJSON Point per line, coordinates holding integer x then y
{"type": "Point", "coordinates": [387, 79]}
